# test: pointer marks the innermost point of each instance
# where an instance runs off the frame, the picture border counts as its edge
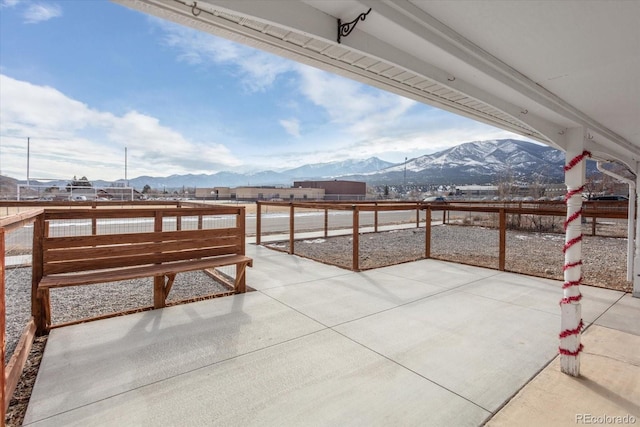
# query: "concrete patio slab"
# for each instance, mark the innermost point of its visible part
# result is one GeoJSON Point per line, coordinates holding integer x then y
{"type": "Point", "coordinates": [440, 273]}
{"type": "Point", "coordinates": [425, 343]}
{"type": "Point", "coordinates": [97, 360]}
{"type": "Point", "coordinates": [541, 294]}
{"type": "Point", "coordinates": [283, 269]}
{"type": "Point", "coordinates": [606, 393]}
{"type": "Point", "coordinates": [623, 316]}
{"type": "Point", "coordinates": [351, 296]}
{"type": "Point", "coordinates": [479, 348]}
{"type": "Point", "coordinates": [319, 379]}
{"type": "Point", "coordinates": [253, 250]}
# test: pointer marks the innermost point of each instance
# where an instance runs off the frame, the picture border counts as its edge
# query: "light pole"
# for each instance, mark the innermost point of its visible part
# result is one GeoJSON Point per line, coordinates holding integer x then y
{"type": "Point", "coordinates": [28, 150]}
{"type": "Point", "coordinates": [125, 167]}
{"type": "Point", "coordinates": [404, 182]}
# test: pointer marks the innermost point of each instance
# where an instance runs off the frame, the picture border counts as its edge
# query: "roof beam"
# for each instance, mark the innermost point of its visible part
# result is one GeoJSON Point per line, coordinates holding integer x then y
{"type": "Point", "coordinates": [417, 21]}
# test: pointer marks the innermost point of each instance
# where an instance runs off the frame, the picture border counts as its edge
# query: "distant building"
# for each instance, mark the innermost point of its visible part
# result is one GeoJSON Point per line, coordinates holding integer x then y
{"type": "Point", "coordinates": [260, 193]}
{"type": "Point", "coordinates": [337, 189]}
{"type": "Point", "coordinates": [215, 193]}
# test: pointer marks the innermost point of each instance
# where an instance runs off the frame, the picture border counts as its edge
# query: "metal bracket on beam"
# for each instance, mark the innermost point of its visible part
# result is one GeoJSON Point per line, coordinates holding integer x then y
{"type": "Point", "coordinates": [345, 29]}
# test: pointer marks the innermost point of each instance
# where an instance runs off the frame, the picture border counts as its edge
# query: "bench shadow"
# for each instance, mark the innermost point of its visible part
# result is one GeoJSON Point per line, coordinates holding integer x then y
{"type": "Point", "coordinates": [153, 349]}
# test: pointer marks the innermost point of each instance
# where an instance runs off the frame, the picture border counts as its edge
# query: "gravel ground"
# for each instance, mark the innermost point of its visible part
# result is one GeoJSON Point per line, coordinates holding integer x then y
{"type": "Point", "coordinates": [78, 302]}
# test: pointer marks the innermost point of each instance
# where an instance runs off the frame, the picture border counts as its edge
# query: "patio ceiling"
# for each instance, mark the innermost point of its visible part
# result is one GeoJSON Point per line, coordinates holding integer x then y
{"type": "Point", "coordinates": [532, 67]}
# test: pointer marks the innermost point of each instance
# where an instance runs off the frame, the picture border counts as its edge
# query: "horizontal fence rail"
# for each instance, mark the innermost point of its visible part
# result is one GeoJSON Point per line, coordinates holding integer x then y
{"type": "Point", "coordinates": [426, 213]}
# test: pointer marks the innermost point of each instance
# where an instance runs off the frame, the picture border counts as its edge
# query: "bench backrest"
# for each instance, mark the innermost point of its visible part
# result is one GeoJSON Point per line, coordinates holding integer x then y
{"type": "Point", "coordinates": [72, 254]}
{"type": "Point", "coordinates": [83, 253]}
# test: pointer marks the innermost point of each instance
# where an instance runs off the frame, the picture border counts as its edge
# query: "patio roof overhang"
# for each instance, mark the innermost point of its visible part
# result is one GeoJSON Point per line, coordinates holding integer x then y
{"type": "Point", "coordinates": [534, 68]}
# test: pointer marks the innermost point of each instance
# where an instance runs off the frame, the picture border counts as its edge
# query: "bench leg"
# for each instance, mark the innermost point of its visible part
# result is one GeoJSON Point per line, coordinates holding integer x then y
{"type": "Point", "coordinates": [241, 281]}
{"type": "Point", "coordinates": [161, 289]}
{"type": "Point", "coordinates": [44, 319]}
{"type": "Point", "coordinates": [158, 292]}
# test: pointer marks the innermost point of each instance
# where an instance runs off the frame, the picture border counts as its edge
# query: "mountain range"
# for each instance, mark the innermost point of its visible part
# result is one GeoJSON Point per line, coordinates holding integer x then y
{"type": "Point", "coordinates": [478, 162]}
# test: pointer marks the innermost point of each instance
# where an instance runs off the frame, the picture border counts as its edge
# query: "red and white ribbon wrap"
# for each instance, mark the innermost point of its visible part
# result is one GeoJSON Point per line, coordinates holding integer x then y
{"type": "Point", "coordinates": [570, 337]}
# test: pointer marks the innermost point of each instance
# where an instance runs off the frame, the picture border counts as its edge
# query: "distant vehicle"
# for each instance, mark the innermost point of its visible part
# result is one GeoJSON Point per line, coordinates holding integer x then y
{"type": "Point", "coordinates": [78, 198]}
{"type": "Point", "coordinates": [435, 199]}
{"type": "Point", "coordinates": [611, 198]}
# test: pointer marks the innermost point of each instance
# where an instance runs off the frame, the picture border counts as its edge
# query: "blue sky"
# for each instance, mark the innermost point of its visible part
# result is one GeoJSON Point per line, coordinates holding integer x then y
{"type": "Point", "coordinates": [86, 78]}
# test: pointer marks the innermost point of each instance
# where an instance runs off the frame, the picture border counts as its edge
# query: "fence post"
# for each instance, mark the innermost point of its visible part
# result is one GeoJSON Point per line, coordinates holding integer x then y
{"type": "Point", "coordinates": [159, 297]}
{"type": "Point", "coordinates": [258, 222]}
{"type": "Point", "coordinates": [444, 216]}
{"type": "Point", "coordinates": [241, 224]}
{"type": "Point", "coordinates": [291, 228]}
{"type": "Point", "coordinates": [356, 239]}
{"type": "Point", "coordinates": [417, 215]}
{"type": "Point", "coordinates": [326, 223]}
{"type": "Point", "coordinates": [427, 233]}
{"type": "Point", "coordinates": [503, 240]}
{"type": "Point", "coordinates": [37, 308]}
{"type": "Point", "coordinates": [375, 218]}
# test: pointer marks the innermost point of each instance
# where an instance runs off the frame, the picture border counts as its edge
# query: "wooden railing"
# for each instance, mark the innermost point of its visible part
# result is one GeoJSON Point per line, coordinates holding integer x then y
{"type": "Point", "coordinates": [553, 209]}
{"type": "Point", "coordinates": [10, 374]}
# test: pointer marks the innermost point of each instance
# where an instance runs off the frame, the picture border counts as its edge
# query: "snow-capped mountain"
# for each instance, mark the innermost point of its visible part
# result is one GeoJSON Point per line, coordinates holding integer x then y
{"type": "Point", "coordinates": [478, 162]}
{"type": "Point", "coordinates": [334, 169]}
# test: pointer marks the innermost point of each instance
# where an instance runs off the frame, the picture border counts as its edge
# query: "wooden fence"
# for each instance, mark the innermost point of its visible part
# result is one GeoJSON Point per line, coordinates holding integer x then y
{"type": "Point", "coordinates": [10, 374]}
{"type": "Point", "coordinates": [591, 210]}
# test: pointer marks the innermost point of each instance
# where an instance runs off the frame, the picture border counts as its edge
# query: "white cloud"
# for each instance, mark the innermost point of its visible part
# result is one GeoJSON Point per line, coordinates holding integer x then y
{"type": "Point", "coordinates": [9, 3]}
{"type": "Point", "coordinates": [40, 12]}
{"type": "Point", "coordinates": [70, 138]}
{"type": "Point", "coordinates": [256, 70]}
{"type": "Point", "coordinates": [363, 111]}
{"type": "Point", "coordinates": [291, 126]}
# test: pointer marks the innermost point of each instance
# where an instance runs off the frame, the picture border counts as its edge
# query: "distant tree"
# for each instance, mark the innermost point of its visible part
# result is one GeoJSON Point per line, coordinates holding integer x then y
{"type": "Point", "coordinates": [506, 183]}
{"type": "Point", "coordinates": [146, 189]}
{"type": "Point", "coordinates": [386, 191]}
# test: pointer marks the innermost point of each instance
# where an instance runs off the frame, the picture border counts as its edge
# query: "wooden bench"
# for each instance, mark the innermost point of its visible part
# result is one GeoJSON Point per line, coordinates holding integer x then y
{"type": "Point", "coordinates": [84, 260]}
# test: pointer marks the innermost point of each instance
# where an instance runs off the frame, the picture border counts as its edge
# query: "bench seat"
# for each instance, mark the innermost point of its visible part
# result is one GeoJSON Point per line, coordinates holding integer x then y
{"type": "Point", "coordinates": [114, 275]}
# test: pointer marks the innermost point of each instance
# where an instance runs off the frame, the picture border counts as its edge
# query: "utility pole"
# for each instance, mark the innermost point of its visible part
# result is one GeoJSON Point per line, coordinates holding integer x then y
{"type": "Point", "coordinates": [404, 182]}
{"type": "Point", "coordinates": [126, 182]}
{"type": "Point", "coordinates": [28, 150]}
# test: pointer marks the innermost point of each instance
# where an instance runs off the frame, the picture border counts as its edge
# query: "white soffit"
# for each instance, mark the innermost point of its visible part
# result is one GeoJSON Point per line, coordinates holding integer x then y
{"type": "Point", "coordinates": [532, 67]}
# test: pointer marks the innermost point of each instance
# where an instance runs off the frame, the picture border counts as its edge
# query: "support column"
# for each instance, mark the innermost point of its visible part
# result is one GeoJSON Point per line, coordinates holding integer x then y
{"type": "Point", "coordinates": [570, 307]}
{"type": "Point", "coordinates": [636, 257]}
